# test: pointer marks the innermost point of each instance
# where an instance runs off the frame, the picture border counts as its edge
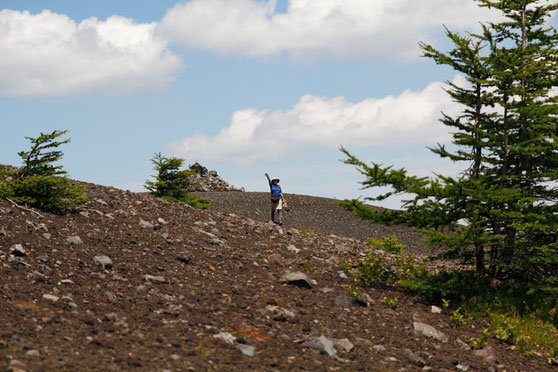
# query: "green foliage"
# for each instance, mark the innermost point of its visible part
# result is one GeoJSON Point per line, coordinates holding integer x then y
{"type": "Point", "coordinates": [392, 303]}
{"type": "Point", "coordinates": [346, 266]}
{"type": "Point", "coordinates": [482, 341]}
{"type": "Point", "coordinates": [458, 318]}
{"type": "Point", "coordinates": [172, 183]}
{"type": "Point", "coordinates": [373, 270]}
{"type": "Point", "coordinates": [389, 244]}
{"type": "Point", "coordinates": [39, 183]}
{"type": "Point", "coordinates": [501, 213]}
{"type": "Point", "coordinates": [354, 290]}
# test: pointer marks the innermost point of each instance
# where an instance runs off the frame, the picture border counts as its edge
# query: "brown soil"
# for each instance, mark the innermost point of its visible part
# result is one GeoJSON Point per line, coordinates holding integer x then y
{"type": "Point", "coordinates": [202, 285]}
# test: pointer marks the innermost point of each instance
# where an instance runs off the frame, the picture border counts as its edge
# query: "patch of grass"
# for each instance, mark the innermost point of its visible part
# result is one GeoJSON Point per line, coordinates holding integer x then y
{"type": "Point", "coordinates": [308, 230]}
{"type": "Point", "coordinates": [201, 351]}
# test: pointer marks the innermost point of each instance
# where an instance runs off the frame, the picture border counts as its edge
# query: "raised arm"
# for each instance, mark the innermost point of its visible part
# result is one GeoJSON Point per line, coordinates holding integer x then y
{"type": "Point", "coordinates": [268, 180]}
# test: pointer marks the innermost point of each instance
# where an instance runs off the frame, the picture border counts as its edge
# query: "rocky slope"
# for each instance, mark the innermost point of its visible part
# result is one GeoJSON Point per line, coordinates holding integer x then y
{"type": "Point", "coordinates": [128, 282]}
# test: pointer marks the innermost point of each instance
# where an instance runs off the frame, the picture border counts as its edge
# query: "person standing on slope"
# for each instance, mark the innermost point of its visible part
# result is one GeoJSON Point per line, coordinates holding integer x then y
{"type": "Point", "coordinates": [277, 200]}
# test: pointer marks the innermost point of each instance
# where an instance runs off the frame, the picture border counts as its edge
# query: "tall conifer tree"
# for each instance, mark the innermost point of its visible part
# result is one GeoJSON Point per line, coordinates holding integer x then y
{"type": "Point", "coordinates": [503, 211]}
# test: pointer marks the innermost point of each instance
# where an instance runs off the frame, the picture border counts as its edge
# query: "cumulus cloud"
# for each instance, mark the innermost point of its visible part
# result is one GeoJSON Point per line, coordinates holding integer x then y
{"type": "Point", "coordinates": [411, 118]}
{"type": "Point", "coordinates": [385, 29]}
{"type": "Point", "coordinates": [49, 54]}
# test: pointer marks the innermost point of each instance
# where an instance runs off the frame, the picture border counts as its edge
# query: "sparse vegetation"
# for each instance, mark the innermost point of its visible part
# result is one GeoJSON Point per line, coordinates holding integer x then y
{"type": "Point", "coordinates": [481, 341]}
{"type": "Point", "coordinates": [389, 244]}
{"type": "Point", "coordinates": [392, 303]}
{"type": "Point", "coordinates": [39, 182]}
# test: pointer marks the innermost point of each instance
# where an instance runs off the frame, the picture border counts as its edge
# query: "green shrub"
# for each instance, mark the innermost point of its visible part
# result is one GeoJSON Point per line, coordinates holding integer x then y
{"type": "Point", "coordinates": [389, 244]}
{"type": "Point", "coordinates": [482, 341]}
{"type": "Point", "coordinates": [173, 184]}
{"type": "Point", "coordinates": [392, 303]}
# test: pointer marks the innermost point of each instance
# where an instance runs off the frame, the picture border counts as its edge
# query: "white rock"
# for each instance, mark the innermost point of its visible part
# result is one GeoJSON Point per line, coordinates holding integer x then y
{"type": "Point", "coordinates": [436, 310]}
{"type": "Point", "coordinates": [50, 297]}
{"type": "Point", "coordinates": [429, 331]}
{"type": "Point", "coordinates": [225, 337]}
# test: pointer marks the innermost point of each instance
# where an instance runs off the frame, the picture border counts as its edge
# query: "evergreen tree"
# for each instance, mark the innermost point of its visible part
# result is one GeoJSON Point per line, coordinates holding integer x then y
{"type": "Point", "coordinates": [507, 138]}
{"type": "Point", "coordinates": [172, 183]}
{"type": "Point", "coordinates": [40, 183]}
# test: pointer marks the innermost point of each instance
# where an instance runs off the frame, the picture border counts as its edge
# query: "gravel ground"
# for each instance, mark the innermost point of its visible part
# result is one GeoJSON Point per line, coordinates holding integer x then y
{"type": "Point", "coordinates": [193, 290]}
{"type": "Point", "coordinates": [310, 213]}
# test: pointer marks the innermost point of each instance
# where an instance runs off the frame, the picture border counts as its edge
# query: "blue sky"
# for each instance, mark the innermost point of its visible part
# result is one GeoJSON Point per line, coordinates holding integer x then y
{"type": "Point", "coordinates": [242, 86]}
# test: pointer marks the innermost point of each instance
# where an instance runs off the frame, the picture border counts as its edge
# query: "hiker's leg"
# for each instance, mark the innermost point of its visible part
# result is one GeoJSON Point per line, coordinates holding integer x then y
{"type": "Point", "coordinates": [272, 213]}
{"type": "Point", "coordinates": [280, 216]}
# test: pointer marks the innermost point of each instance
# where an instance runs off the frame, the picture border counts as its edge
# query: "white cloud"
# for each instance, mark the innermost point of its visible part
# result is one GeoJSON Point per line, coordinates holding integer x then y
{"type": "Point", "coordinates": [49, 54]}
{"type": "Point", "coordinates": [384, 29]}
{"type": "Point", "coordinates": [410, 118]}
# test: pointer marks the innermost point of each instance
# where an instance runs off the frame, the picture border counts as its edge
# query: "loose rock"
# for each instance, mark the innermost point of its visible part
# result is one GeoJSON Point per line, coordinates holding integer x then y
{"type": "Point", "coordinates": [297, 278]}
{"type": "Point", "coordinates": [225, 337]}
{"type": "Point", "coordinates": [17, 250]}
{"type": "Point", "coordinates": [429, 331]}
{"type": "Point", "coordinates": [247, 350]}
{"type": "Point", "coordinates": [103, 261]}
{"type": "Point", "coordinates": [322, 344]}
{"type": "Point", "coordinates": [74, 240]}
{"type": "Point", "coordinates": [50, 297]}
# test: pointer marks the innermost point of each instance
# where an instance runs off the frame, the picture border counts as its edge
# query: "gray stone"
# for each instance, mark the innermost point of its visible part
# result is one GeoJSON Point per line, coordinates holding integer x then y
{"type": "Point", "coordinates": [3, 231]}
{"type": "Point", "coordinates": [487, 354]}
{"type": "Point", "coordinates": [292, 248]}
{"type": "Point", "coordinates": [216, 241]}
{"type": "Point", "coordinates": [17, 250]}
{"type": "Point", "coordinates": [413, 358]}
{"type": "Point", "coordinates": [343, 344]}
{"type": "Point", "coordinates": [279, 313]}
{"type": "Point", "coordinates": [343, 276]}
{"type": "Point", "coordinates": [33, 354]}
{"type": "Point", "coordinates": [366, 300]}
{"type": "Point", "coordinates": [47, 236]}
{"type": "Point", "coordinates": [74, 240]}
{"type": "Point", "coordinates": [326, 290]}
{"type": "Point", "coordinates": [146, 224]}
{"type": "Point", "coordinates": [322, 344]}
{"type": "Point", "coordinates": [429, 331]}
{"type": "Point", "coordinates": [344, 301]}
{"type": "Point", "coordinates": [297, 278]}
{"type": "Point", "coordinates": [110, 296]}
{"type": "Point", "coordinates": [103, 261]}
{"type": "Point", "coordinates": [462, 344]}
{"type": "Point", "coordinates": [247, 350]}
{"type": "Point", "coordinates": [154, 278]}
{"type": "Point", "coordinates": [379, 348]}
{"type": "Point", "coordinates": [226, 337]}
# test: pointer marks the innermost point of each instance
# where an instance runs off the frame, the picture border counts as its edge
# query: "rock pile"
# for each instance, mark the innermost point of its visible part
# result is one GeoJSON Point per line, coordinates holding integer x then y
{"type": "Point", "coordinates": [205, 180]}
